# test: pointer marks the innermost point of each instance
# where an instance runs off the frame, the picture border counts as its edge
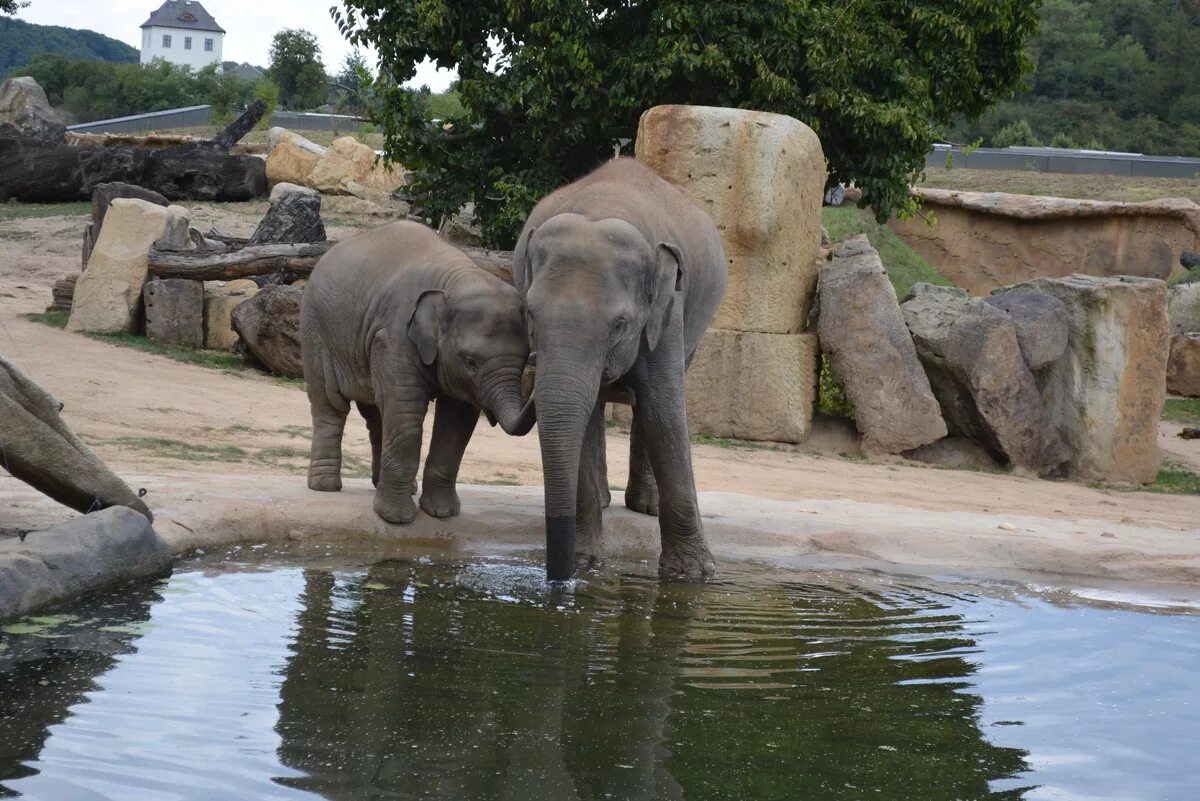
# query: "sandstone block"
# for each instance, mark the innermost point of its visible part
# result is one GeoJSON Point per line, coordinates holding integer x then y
{"type": "Point", "coordinates": [1106, 393]}
{"type": "Point", "coordinates": [761, 177]}
{"type": "Point", "coordinates": [288, 163]}
{"type": "Point", "coordinates": [177, 234]}
{"type": "Point", "coordinates": [175, 312]}
{"type": "Point", "coordinates": [1041, 322]}
{"type": "Point", "coordinates": [109, 293]}
{"type": "Point", "coordinates": [1183, 367]}
{"type": "Point", "coordinates": [1183, 308]}
{"type": "Point", "coordinates": [872, 354]}
{"type": "Point", "coordinates": [749, 385]}
{"type": "Point", "coordinates": [219, 304]}
{"type": "Point", "coordinates": [279, 191]}
{"type": "Point", "coordinates": [350, 168]}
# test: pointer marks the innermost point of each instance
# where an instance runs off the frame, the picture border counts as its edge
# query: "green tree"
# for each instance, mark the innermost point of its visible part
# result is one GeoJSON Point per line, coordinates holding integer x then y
{"type": "Point", "coordinates": [551, 87]}
{"type": "Point", "coordinates": [1017, 134]}
{"type": "Point", "coordinates": [11, 6]}
{"type": "Point", "coordinates": [297, 70]}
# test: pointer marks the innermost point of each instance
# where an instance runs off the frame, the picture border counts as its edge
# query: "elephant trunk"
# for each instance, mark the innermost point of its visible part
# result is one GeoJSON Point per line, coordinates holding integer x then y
{"type": "Point", "coordinates": [501, 398]}
{"type": "Point", "coordinates": [566, 392]}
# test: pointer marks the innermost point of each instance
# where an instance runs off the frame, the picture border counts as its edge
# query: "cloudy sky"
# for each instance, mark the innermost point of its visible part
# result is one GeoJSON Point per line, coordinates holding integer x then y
{"type": "Point", "coordinates": [249, 26]}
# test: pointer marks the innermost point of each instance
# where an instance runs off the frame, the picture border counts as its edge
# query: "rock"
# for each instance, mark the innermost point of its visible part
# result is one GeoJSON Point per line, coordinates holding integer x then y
{"type": "Point", "coordinates": [350, 168]}
{"type": "Point", "coordinates": [954, 452]}
{"type": "Point", "coordinates": [280, 190]}
{"type": "Point", "coordinates": [89, 242]}
{"type": "Point", "coordinates": [1183, 366]}
{"type": "Point", "coordinates": [63, 293]}
{"type": "Point", "coordinates": [1184, 308]}
{"type": "Point", "coordinates": [178, 233]}
{"type": "Point", "coordinates": [462, 228]}
{"type": "Point", "coordinates": [24, 106]}
{"type": "Point", "coordinates": [1106, 393]}
{"type": "Point", "coordinates": [349, 205]}
{"type": "Point", "coordinates": [220, 300]}
{"type": "Point", "coordinates": [175, 312]}
{"type": "Point", "coordinates": [922, 289]}
{"type": "Point", "coordinates": [755, 386]}
{"type": "Point", "coordinates": [104, 194]}
{"type": "Point", "coordinates": [294, 217]}
{"type": "Point", "coordinates": [269, 326]}
{"type": "Point", "coordinates": [42, 451]}
{"type": "Point", "coordinates": [277, 135]}
{"type": "Point", "coordinates": [825, 240]}
{"type": "Point", "coordinates": [80, 556]}
{"type": "Point", "coordinates": [761, 177]}
{"type": "Point", "coordinates": [1041, 322]}
{"type": "Point", "coordinates": [109, 293]}
{"type": "Point", "coordinates": [986, 240]}
{"type": "Point", "coordinates": [871, 353]}
{"type": "Point", "coordinates": [987, 393]}
{"type": "Point", "coordinates": [288, 163]}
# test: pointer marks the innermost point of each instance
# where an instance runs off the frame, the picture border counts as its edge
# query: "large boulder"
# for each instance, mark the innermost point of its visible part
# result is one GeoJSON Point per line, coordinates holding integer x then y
{"type": "Point", "coordinates": [1041, 324]}
{"type": "Point", "coordinates": [350, 168]}
{"type": "Point", "coordinates": [292, 158]}
{"type": "Point", "coordinates": [1183, 306]}
{"type": "Point", "coordinates": [293, 217]}
{"type": "Point", "coordinates": [24, 106]}
{"type": "Point", "coordinates": [175, 312]}
{"type": "Point", "coordinates": [103, 196]}
{"type": "Point", "coordinates": [871, 353]}
{"type": "Point", "coordinates": [109, 293]}
{"type": "Point", "coordinates": [761, 177]}
{"type": "Point", "coordinates": [1106, 393]}
{"type": "Point", "coordinates": [220, 300]}
{"type": "Point", "coordinates": [987, 392]}
{"type": "Point", "coordinates": [749, 385]}
{"type": "Point", "coordinates": [268, 324]}
{"type": "Point", "coordinates": [42, 451]}
{"type": "Point", "coordinates": [1183, 366]}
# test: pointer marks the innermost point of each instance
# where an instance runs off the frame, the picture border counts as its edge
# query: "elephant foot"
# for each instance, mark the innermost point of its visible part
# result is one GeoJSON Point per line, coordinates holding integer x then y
{"type": "Point", "coordinates": [395, 509]}
{"type": "Point", "coordinates": [642, 499]}
{"type": "Point", "coordinates": [689, 561]}
{"type": "Point", "coordinates": [324, 481]}
{"type": "Point", "coordinates": [444, 503]}
{"type": "Point", "coordinates": [605, 496]}
{"type": "Point", "coordinates": [585, 560]}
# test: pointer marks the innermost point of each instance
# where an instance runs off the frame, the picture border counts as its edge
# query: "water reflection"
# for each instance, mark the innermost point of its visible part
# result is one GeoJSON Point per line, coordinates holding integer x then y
{"type": "Point", "coordinates": [412, 681]}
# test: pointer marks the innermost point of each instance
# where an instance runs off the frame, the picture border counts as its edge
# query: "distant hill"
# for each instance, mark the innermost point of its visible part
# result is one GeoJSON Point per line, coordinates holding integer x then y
{"type": "Point", "coordinates": [21, 41]}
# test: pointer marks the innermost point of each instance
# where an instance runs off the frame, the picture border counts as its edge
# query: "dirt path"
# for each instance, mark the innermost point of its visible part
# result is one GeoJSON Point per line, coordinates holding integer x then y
{"type": "Point", "coordinates": [148, 415]}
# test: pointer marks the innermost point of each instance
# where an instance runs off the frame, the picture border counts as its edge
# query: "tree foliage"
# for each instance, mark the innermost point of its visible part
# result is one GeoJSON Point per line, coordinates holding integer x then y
{"type": "Point", "coordinates": [549, 88]}
{"type": "Point", "coordinates": [297, 70]}
{"type": "Point", "coordinates": [11, 6]}
{"type": "Point", "coordinates": [1120, 74]}
{"type": "Point", "coordinates": [21, 42]}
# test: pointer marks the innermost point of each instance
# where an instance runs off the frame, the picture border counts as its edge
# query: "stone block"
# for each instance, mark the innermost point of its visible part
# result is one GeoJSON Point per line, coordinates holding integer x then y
{"type": "Point", "coordinates": [755, 386]}
{"type": "Point", "coordinates": [1183, 308]}
{"type": "Point", "coordinates": [175, 312]}
{"type": "Point", "coordinates": [268, 324]}
{"type": "Point", "coordinates": [761, 177]}
{"type": "Point", "coordinates": [219, 302]}
{"type": "Point", "coordinates": [1106, 393]}
{"type": "Point", "coordinates": [350, 168]}
{"type": "Point", "coordinates": [1041, 323]}
{"type": "Point", "coordinates": [1183, 367]}
{"type": "Point", "coordinates": [288, 163]}
{"type": "Point", "coordinates": [108, 295]}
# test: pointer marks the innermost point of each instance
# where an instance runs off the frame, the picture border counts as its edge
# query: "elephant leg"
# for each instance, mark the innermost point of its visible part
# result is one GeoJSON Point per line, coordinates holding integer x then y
{"type": "Point", "coordinates": [641, 493]}
{"type": "Point", "coordinates": [370, 413]}
{"type": "Point", "coordinates": [602, 475]}
{"type": "Point", "coordinates": [661, 420]}
{"type": "Point", "coordinates": [589, 500]}
{"type": "Point", "coordinates": [453, 424]}
{"type": "Point", "coordinates": [403, 404]}
{"type": "Point", "coordinates": [328, 423]}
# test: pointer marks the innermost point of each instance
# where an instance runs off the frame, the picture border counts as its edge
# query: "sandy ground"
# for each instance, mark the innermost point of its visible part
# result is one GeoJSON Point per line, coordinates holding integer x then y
{"type": "Point", "coordinates": [172, 425]}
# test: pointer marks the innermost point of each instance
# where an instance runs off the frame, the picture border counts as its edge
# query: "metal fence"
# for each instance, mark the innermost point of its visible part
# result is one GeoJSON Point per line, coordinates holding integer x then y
{"type": "Point", "coordinates": [1075, 162]}
{"type": "Point", "coordinates": [199, 116]}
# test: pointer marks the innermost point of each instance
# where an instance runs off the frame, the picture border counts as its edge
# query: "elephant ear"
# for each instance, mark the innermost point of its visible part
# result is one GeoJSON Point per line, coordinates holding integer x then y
{"type": "Point", "coordinates": [425, 324]}
{"type": "Point", "coordinates": [668, 284]}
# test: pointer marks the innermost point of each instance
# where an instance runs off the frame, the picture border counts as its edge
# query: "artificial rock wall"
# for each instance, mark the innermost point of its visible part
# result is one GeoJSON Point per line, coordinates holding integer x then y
{"type": "Point", "coordinates": [761, 177]}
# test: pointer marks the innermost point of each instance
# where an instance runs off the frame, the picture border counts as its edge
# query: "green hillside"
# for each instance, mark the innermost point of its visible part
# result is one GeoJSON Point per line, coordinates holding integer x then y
{"type": "Point", "coordinates": [21, 41]}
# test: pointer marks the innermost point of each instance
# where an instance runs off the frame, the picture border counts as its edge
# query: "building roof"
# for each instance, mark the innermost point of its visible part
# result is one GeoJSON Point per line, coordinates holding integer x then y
{"type": "Point", "coordinates": [186, 14]}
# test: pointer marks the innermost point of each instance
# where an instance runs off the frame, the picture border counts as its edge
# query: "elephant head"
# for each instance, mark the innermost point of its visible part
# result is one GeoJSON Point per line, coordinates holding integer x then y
{"type": "Point", "coordinates": [597, 295]}
{"type": "Point", "coordinates": [474, 336]}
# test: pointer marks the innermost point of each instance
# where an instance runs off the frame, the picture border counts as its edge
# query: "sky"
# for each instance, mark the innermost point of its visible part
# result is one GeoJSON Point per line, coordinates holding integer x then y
{"type": "Point", "coordinates": [249, 27]}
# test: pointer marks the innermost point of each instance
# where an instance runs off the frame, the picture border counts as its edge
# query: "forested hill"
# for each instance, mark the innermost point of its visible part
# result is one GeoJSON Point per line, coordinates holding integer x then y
{"type": "Point", "coordinates": [21, 41]}
{"type": "Point", "coordinates": [1111, 74]}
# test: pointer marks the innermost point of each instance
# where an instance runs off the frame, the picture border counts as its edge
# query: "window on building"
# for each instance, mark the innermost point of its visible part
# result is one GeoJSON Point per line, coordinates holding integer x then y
{"type": "Point", "coordinates": [187, 43]}
{"type": "Point", "coordinates": [166, 40]}
{"type": "Point", "coordinates": [208, 45]}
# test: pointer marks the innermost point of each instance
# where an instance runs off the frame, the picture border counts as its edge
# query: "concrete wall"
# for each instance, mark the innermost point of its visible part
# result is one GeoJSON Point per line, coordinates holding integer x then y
{"type": "Point", "coordinates": [194, 116]}
{"type": "Point", "coordinates": [1074, 162]}
{"type": "Point", "coordinates": [197, 56]}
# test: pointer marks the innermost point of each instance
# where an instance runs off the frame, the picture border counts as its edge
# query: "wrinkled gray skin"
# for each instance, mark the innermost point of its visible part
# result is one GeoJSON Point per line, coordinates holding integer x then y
{"type": "Point", "coordinates": [37, 447]}
{"type": "Point", "coordinates": [392, 319]}
{"type": "Point", "coordinates": [621, 275]}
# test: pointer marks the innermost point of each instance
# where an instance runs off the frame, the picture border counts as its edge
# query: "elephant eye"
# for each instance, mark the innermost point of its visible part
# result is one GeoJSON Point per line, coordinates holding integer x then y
{"type": "Point", "coordinates": [619, 325]}
{"type": "Point", "coordinates": [469, 361]}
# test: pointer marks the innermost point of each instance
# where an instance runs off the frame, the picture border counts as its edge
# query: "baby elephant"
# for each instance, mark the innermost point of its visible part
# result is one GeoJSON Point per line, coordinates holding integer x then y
{"type": "Point", "coordinates": [392, 319]}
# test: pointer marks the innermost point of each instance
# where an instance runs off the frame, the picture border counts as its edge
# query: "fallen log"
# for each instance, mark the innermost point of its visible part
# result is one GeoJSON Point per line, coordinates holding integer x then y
{"type": "Point", "coordinates": [496, 262]}
{"type": "Point", "coordinates": [243, 263]}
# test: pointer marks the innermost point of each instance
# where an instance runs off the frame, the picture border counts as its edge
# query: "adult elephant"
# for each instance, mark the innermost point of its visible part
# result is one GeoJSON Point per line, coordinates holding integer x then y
{"type": "Point", "coordinates": [621, 274]}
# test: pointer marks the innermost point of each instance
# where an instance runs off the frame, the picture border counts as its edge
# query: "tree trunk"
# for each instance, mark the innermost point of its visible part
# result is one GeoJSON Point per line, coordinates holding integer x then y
{"type": "Point", "coordinates": [250, 260]}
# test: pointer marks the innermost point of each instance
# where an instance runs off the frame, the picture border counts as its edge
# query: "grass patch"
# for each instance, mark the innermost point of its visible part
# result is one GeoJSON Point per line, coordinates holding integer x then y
{"type": "Point", "coordinates": [904, 266]}
{"type": "Point", "coordinates": [34, 211]}
{"type": "Point", "coordinates": [723, 442]}
{"type": "Point", "coordinates": [1086, 187]}
{"type": "Point", "coordinates": [218, 360]}
{"type": "Point", "coordinates": [16, 236]}
{"type": "Point", "coordinates": [1173, 479]}
{"type": "Point", "coordinates": [181, 451]}
{"type": "Point", "coordinates": [1182, 410]}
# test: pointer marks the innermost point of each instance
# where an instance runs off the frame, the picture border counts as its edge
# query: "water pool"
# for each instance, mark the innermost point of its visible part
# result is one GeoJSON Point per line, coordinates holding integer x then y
{"type": "Point", "coordinates": [302, 674]}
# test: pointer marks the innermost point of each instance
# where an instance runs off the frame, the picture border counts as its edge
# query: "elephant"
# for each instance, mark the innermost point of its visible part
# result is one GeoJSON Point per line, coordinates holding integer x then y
{"type": "Point", "coordinates": [621, 275]}
{"type": "Point", "coordinates": [391, 319]}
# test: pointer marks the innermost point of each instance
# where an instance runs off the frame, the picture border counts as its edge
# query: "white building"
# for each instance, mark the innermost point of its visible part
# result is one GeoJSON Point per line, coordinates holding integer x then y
{"type": "Point", "coordinates": [182, 32]}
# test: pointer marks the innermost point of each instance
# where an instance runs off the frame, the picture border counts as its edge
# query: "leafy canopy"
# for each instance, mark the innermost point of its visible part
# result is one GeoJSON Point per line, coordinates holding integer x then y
{"type": "Point", "coordinates": [11, 6]}
{"type": "Point", "coordinates": [549, 88]}
{"type": "Point", "coordinates": [297, 70]}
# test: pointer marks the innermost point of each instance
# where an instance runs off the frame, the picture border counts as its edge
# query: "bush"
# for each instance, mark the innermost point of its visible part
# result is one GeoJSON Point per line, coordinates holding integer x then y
{"type": "Point", "coordinates": [1063, 140]}
{"type": "Point", "coordinates": [268, 92]}
{"type": "Point", "coordinates": [1016, 134]}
